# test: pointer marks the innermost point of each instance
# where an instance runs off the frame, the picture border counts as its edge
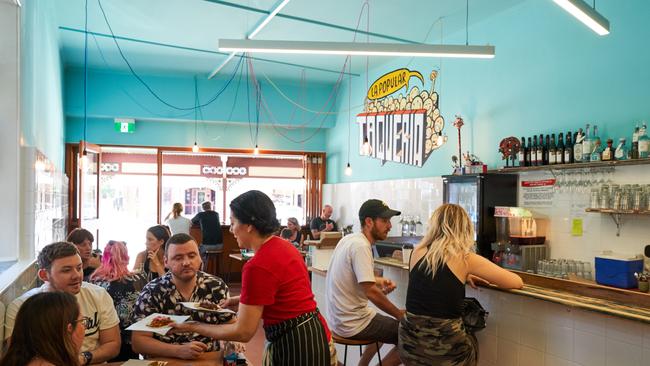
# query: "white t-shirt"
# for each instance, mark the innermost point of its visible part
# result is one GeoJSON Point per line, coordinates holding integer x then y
{"type": "Point", "coordinates": [94, 302]}
{"type": "Point", "coordinates": [348, 312]}
{"type": "Point", "coordinates": [179, 225]}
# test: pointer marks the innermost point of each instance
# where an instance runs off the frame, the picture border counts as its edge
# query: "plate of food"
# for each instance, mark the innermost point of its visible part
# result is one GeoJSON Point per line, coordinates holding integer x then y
{"type": "Point", "coordinates": [144, 363]}
{"type": "Point", "coordinates": [158, 323]}
{"type": "Point", "coordinates": [207, 306]}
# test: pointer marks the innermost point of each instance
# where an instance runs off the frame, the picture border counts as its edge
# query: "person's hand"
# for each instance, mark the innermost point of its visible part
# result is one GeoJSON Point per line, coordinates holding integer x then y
{"type": "Point", "coordinates": [473, 281]}
{"type": "Point", "coordinates": [94, 261]}
{"type": "Point", "coordinates": [82, 359]}
{"type": "Point", "coordinates": [387, 286]}
{"type": "Point", "coordinates": [191, 350]}
{"type": "Point", "coordinates": [230, 302]}
{"type": "Point", "coordinates": [156, 265]}
{"type": "Point", "coordinates": [186, 327]}
{"type": "Point", "coordinates": [329, 226]}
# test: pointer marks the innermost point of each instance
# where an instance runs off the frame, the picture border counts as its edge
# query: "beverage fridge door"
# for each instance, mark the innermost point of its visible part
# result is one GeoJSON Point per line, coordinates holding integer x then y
{"type": "Point", "coordinates": [465, 193]}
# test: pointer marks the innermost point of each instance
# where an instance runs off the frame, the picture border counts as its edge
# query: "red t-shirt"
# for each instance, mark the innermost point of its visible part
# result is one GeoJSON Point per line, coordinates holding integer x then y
{"type": "Point", "coordinates": [277, 278]}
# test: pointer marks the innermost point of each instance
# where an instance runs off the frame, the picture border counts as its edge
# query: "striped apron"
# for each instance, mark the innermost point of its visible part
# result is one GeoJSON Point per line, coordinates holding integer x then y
{"type": "Point", "coordinates": [299, 341]}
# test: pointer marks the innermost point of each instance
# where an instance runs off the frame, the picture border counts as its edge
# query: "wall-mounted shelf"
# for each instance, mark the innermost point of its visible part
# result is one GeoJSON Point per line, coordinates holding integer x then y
{"type": "Point", "coordinates": [617, 215]}
{"type": "Point", "coordinates": [595, 164]}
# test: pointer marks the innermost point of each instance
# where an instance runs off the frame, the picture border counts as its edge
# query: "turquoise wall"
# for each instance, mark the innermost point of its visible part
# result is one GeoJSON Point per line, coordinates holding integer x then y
{"type": "Point", "coordinates": [112, 94]}
{"type": "Point", "coordinates": [550, 74]}
{"type": "Point", "coordinates": [42, 123]}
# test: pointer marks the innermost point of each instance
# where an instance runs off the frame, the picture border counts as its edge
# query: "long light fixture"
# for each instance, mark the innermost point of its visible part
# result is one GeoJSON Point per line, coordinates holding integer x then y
{"type": "Point", "coordinates": [586, 14]}
{"type": "Point", "coordinates": [274, 11]}
{"type": "Point", "coordinates": [356, 49]}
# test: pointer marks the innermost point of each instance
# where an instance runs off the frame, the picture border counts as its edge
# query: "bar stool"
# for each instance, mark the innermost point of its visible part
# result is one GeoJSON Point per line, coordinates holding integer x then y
{"type": "Point", "coordinates": [213, 258]}
{"type": "Point", "coordinates": [354, 342]}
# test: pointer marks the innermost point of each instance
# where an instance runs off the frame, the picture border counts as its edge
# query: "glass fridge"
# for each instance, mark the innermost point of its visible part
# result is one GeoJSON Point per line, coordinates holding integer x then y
{"type": "Point", "coordinates": [478, 194]}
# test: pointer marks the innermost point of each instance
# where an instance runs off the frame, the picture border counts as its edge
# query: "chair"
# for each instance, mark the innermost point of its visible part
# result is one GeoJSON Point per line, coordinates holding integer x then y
{"type": "Point", "coordinates": [213, 258]}
{"type": "Point", "coordinates": [354, 342]}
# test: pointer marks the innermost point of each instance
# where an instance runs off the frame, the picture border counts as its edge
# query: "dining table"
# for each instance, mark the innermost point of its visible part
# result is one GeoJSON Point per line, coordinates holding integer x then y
{"type": "Point", "coordinates": [206, 359]}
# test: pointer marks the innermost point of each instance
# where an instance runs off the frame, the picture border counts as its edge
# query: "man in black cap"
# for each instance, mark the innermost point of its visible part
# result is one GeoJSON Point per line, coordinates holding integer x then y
{"type": "Point", "coordinates": [351, 282]}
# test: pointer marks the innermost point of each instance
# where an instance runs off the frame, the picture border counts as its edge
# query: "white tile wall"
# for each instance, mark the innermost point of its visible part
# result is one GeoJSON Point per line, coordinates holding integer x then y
{"type": "Point", "coordinates": [526, 331]}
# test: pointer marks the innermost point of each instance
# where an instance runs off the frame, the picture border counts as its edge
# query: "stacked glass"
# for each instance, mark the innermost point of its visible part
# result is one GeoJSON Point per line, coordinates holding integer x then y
{"type": "Point", "coordinates": [564, 268]}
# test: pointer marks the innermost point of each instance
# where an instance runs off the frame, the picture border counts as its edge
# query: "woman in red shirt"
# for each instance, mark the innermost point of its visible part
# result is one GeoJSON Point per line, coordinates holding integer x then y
{"type": "Point", "coordinates": [275, 288]}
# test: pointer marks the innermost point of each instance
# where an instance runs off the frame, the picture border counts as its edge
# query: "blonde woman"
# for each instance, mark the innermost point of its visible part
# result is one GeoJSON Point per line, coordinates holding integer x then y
{"type": "Point", "coordinates": [176, 222]}
{"type": "Point", "coordinates": [432, 331]}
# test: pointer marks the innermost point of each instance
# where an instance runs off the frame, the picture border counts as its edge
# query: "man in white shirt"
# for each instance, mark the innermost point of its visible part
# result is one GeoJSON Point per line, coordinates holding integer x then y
{"type": "Point", "coordinates": [61, 268]}
{"type": "Point", "coordinates": [351, 282]}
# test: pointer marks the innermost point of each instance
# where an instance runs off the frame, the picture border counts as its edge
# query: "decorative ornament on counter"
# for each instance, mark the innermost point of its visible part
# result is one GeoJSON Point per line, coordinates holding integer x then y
{"type": "Point", "coordinates": [405, 128]}
{"type": "Point", "coordinates": [509, 147]}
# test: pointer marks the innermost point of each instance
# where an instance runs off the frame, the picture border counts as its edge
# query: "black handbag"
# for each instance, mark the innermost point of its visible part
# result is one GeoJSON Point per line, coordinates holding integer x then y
{"type": "Point", "coordinates": [473, 314]}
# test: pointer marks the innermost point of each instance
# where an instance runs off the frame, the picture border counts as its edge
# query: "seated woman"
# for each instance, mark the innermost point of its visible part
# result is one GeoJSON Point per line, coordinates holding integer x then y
{"type": "Point", "coordinates": [123, 286]}
{"type": "Point", "coordinates": [176, 222]}
{"type": "Point", "coordinates": [432, 331]}
{"type": "Point", "coordinates": [48, 332]}
{"type": "Point", "coordinates": [275, 288]}
{"type": "Point", "coordinates": [150, 261]}
{"type": "Point", "coordinates": [296, 234]}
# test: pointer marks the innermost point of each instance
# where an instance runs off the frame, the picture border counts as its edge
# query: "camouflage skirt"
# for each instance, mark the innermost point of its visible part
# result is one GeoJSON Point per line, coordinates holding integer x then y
{"type": "Point", "coordinates": [427, 341]}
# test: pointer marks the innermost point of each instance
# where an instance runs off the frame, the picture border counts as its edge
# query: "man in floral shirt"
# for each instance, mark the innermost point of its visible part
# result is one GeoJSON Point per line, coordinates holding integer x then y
{"type": "Point", "coordinates": [183, 283]}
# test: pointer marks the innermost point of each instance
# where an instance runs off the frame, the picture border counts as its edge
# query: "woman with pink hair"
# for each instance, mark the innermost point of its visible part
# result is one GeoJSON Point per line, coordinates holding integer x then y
{"type": "Point", "coordinates": [123, 286]}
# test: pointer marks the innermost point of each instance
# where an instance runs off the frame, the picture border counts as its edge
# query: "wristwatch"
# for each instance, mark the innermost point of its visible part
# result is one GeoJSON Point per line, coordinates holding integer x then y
{"type": "Point", "coordinates": [88, 357]}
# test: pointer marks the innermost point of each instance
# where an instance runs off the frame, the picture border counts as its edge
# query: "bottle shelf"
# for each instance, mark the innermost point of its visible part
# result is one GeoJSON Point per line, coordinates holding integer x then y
{"type": "Point", "coordinates": [594, 164]}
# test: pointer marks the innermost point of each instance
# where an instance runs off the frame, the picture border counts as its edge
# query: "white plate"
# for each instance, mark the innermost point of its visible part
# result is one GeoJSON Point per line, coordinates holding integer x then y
{"type": "Point", "coordinates": [142, 324]}
{"type": "Point", "coordinates": [195, 306]}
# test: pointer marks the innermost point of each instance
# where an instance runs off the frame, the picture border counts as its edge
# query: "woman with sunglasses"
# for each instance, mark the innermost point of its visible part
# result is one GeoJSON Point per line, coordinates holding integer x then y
{"type": "Point", "coordinates": [49, 331]}
{"type": "Point", "coordinates": [123, 286]}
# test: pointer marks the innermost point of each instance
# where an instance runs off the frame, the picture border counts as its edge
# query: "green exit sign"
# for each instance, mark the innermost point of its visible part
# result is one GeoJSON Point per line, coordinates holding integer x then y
{"type": "Point", "coordinates": [125, 125]}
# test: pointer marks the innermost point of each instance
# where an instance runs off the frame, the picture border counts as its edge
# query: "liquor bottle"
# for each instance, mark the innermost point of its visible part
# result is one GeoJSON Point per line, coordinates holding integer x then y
{"type": "Point", "coordinates": [607, 153]}
{"type": "Point", "coordinates": [635, 142]}
{"type": "Point", "coordinates": [521, 155]}
{"type": "Point", "coordinates": [586, 146]}
{"type": "Point", "coordinates": [596, 147]}
{"type": "Point", "coordinates": [568, 149]}
{"type": "Point", "coordinates": [546, 145]}
{"type": "Point", "coordinates": [577, 146]}
{"type": "Point", "coordinates": [621, 152]}
{"type": "Point", "coordinates": [595, 139]}
{"type": "Point", "coordinates": [644, 142]}
{"type": "Point", "coordinates": [552, 151]}
{"type": "Point", "coordinates": [529, 159]}
{"type": "Point", "coordinates": [535, 152]}
{"type": "Point", "coordinates": [559, 152]}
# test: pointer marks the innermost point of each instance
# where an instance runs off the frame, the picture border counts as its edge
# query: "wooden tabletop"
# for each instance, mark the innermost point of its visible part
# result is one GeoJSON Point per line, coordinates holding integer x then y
{"type": "Point", "coordinates": [206, 359]}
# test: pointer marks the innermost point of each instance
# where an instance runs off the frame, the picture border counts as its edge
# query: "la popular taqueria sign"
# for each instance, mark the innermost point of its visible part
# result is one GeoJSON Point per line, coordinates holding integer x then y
{"type": "Point", "coordinates": [405, 127]}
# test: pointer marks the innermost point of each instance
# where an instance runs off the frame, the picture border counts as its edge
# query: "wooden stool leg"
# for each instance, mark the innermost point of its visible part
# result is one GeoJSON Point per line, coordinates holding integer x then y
{"type": "Point", "coordinates": [378, 353]}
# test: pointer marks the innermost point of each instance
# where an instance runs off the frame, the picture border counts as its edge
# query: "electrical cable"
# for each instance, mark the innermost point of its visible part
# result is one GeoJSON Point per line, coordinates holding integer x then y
{"type": "Point", "coordinates": [85, 73]}
{"type": "Point", "coordinates": [210, 100]}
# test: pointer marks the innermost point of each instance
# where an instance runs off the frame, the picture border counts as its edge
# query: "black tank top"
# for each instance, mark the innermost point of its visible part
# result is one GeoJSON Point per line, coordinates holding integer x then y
{"type": "Point", "coordinates": [439, 297]}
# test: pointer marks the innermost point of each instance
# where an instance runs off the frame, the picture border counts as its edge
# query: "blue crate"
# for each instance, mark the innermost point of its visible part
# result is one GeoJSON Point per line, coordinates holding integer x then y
{"type": "Point", "coordinates": [617, 272]}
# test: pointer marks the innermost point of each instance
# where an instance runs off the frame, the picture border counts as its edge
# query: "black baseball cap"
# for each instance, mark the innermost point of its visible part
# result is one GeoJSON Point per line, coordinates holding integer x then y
{"type": "Point", "coordinates": [376, 208]}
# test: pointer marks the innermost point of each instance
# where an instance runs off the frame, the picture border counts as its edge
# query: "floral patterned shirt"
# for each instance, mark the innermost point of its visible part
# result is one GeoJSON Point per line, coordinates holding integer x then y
{"type": "Point", "coordinates": [161, 296]}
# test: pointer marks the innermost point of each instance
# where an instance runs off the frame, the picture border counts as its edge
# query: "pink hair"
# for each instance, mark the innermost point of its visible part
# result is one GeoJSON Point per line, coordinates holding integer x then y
{"type": "Point", "coordinates": [115, 261]}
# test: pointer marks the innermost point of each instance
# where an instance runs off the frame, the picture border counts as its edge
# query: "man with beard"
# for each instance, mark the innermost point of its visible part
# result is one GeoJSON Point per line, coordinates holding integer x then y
{"type": "Point", "coordinates": [182, 283]}
{"type": "Point", "coordinates": [351, 282]}
{"type": "Point", "coordinates": [61, 269]}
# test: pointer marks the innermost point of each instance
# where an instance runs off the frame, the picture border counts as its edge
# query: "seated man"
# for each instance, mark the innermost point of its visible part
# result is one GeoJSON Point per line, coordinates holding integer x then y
{"type": "Point", "coordinates": [61, 269]}
{"type": "Point", "coordinates": [351, 282]}
{"type": "Point", "coordinates": [211, 234]}
{"type": "Point", "coordinates": [84, 239]}
{"type": "Point", "coordinates": [182, 283]}
{"type": "Point", "coordinates": [323, 222]}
